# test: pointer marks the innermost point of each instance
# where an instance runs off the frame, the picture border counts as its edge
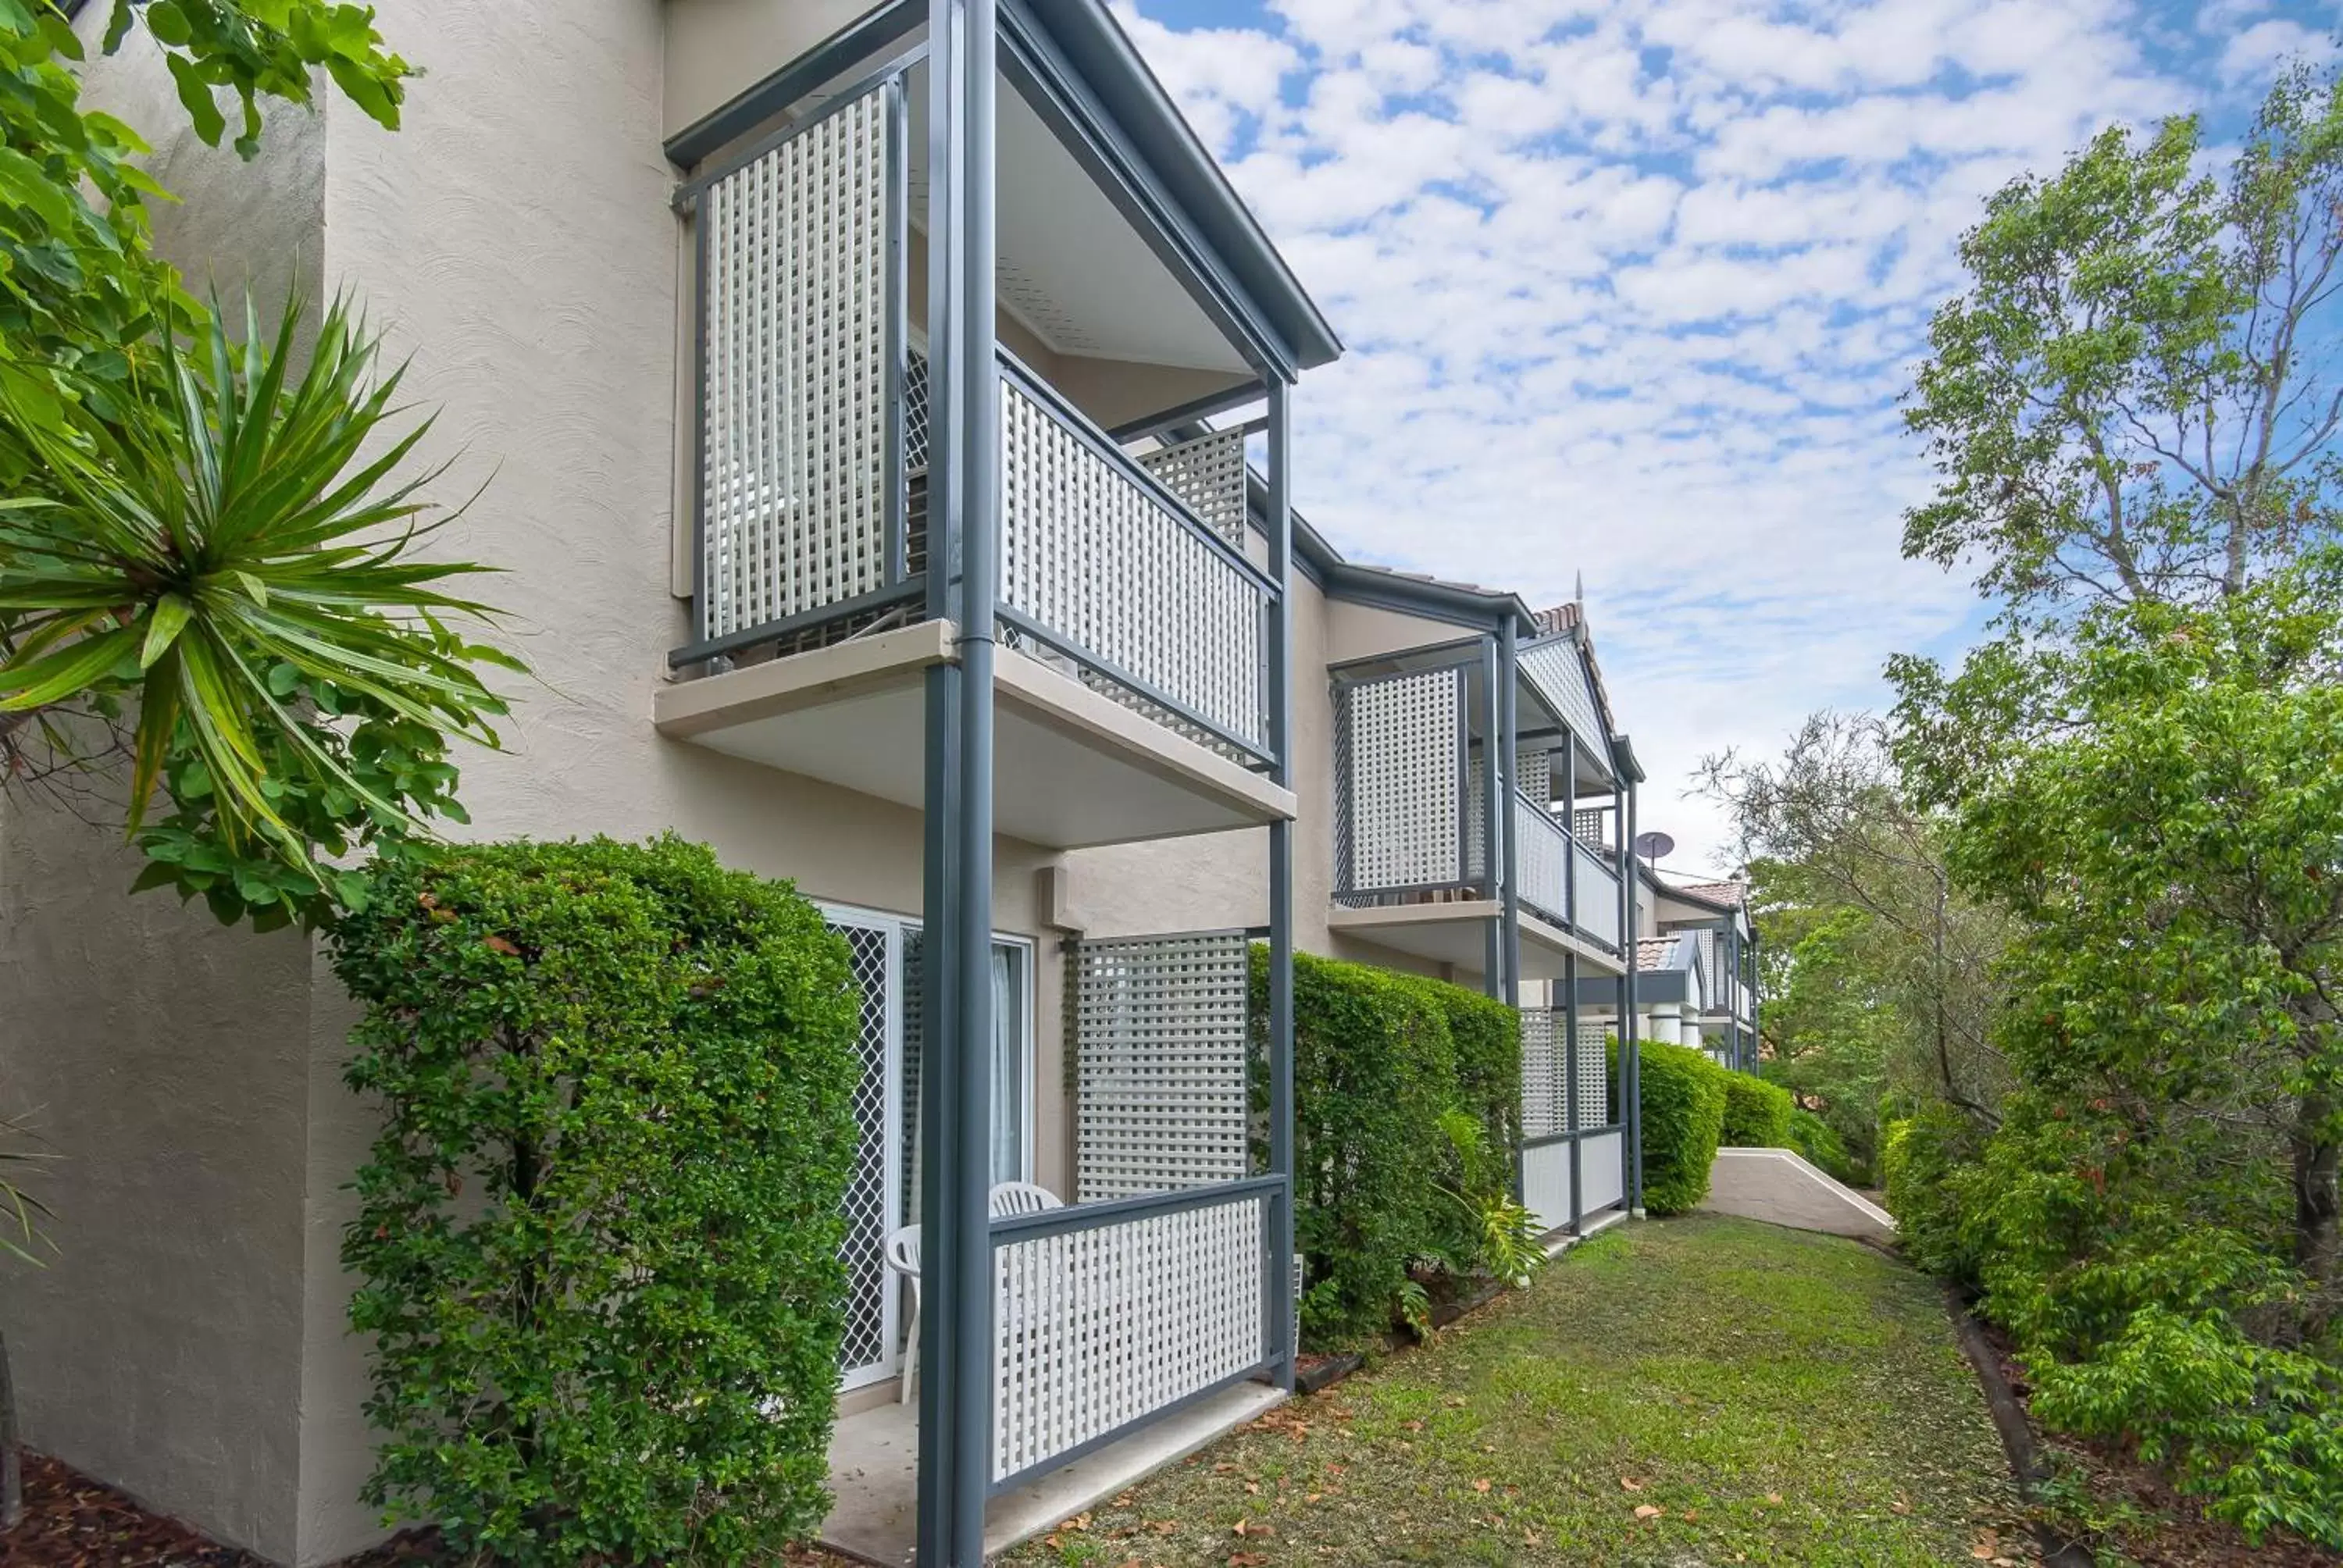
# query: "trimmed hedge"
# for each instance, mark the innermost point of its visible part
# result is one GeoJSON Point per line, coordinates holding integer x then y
{"type": "Point", "coordinates": [1816, 1139]}
{"type": "Point", "coordinates": [1379, 1059]}
{"type": "Point", "coordinates": [1683, 1099]}
{"type": "Point", "coordinates": [1757, 1114]}
{"type": "Point", "coordinates": [597, 1237]}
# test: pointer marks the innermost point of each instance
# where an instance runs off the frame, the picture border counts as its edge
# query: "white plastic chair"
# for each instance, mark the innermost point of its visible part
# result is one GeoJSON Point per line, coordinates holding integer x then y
{"type": "Point", "coordinates": [903, 1254]}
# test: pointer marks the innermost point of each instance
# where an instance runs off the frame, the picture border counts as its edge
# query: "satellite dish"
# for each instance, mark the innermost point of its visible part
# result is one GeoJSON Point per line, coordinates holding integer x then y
{"type": "Point", "coordinates": [1654, 847]}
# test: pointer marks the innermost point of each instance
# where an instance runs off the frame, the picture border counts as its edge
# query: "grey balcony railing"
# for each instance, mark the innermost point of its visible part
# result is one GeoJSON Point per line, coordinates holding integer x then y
{"type": "Point", "coordinates": [1597, 886]}
{"type": "Point", "coordinates": [1103, 563]}
{"type": "Point", "coordinates": [812, 452]}
{"type": "Point", "coordinates": [1541, 860]}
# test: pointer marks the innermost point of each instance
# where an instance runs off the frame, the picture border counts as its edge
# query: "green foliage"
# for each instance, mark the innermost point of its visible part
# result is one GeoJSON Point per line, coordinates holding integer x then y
{"type": "Point", "coordinates": [244, 566]}
{"type": "Point", "coordinates": [1818, 1143]}
{"type": "Point", "coordinates": [1403, 1138]}
{"type": "Point", "coordinates": [598, 1234]}
{"type": "Point", "coordinates": [1682, 1100]}
{"type": "Point", "coordinates": [84, 300]}
{"type": "Point", "coordinates": [1757, 1114]}
{"type": "Point", "coordinates": [178, 537]}
{"type": "Point", "coordinates": [2117, 405]}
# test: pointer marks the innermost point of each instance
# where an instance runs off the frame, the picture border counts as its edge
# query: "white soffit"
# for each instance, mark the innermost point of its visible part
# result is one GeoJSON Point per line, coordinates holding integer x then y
{"type": "Point", "coordinates": [1070, 267]}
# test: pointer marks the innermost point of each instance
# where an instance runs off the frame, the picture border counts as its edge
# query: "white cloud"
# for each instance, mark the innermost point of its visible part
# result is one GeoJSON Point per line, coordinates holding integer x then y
{"type": "Point", "coordinates": [1631, 287]}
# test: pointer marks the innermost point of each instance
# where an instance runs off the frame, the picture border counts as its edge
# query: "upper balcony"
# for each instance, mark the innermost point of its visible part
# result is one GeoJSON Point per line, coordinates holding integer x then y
{"type": "Point", "coordinates": [1134, 604]}
{"type": "Point", "coordinates": [1412, 796]}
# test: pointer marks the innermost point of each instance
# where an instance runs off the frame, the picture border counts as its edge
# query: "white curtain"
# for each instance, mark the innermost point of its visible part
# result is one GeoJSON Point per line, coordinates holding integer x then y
{"type": "Point", "coordinates": [1006, 1064]}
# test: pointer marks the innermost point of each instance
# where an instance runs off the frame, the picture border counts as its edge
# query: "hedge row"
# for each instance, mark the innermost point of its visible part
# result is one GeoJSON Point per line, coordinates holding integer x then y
{"type": "Point", "coordinates": [1683, 1099]}
{"type": "Point", "coordinates": [598, 1236]}
{"type": "Point", "coordinates": [1379, 1062]}
{"type": "Point", "coordinates": [1757, 1114]}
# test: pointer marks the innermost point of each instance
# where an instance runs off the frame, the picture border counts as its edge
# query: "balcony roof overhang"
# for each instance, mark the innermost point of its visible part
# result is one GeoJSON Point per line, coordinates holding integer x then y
{"type": "Point", "coordinates": [1072, 61]}
{"type": "Point", "coordinates": [1071, 767]}
{"type": "Point", "coordinates": [1453, 934]}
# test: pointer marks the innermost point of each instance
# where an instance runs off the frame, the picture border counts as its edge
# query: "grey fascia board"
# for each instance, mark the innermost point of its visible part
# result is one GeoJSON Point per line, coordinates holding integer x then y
{"type": "Point", "coordinates": [1097, 48]}
{"type": "Point", "coordinates": [1652, 986]}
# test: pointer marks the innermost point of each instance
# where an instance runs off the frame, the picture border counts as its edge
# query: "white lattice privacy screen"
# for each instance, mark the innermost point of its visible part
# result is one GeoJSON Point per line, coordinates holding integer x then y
{"type": "Point", "coordinates": [1160, 1064]}
{"type": "Point", "coordinates": [1533, 777]}
{"type": "Point", "coordinates": [793, 373]}
{"type": "Point", "coordinates": [1543, 1084]}
{"type": "Point", "coordinates": [1401, 801]}
{"type": "Point", "coordinates": [1208, 474]}
{"type": "Point", "coordinates": [1094, 1330]}
{"type": "Point", "coordinates": [1593, 1074]}
{"type": "Point", "coordinates": [1094, 554]}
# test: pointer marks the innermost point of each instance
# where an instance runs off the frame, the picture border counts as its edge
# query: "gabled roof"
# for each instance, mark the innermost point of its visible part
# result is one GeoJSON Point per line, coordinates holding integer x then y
{"type": "Point", "coordinates": [1663, 952]}
{"type": "Point", "coordinates": [1725, 897]}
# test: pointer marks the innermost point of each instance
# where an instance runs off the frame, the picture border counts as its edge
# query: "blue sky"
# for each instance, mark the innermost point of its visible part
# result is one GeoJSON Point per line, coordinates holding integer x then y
{"type": "Point", "coordinates": [1630, 291]}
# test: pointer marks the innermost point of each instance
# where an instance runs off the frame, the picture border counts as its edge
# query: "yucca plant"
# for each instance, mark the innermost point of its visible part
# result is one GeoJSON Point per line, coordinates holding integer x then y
{"type": "Point", "coordinates": [235, 555]}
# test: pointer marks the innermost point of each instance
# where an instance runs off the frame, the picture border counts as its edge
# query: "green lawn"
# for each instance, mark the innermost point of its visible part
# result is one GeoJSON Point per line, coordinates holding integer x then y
{"type": "Point", "coordinates": [1776, 1397]}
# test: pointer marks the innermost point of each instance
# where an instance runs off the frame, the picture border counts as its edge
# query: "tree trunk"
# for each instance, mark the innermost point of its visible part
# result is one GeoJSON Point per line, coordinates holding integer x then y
{"type": "Point", "coordinates": [2318, 1209]}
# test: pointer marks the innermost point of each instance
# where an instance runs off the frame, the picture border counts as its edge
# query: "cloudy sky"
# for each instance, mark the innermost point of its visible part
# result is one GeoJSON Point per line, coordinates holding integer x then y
{"type": "Point", "coordinates": [1630, 290]}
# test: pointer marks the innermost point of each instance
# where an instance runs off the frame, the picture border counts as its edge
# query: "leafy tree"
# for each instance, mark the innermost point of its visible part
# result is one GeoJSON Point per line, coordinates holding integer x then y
{"type": "Point", "coordinates": [1882, 968]}
{"type": "Point", "coordinates": [214, 536]}
{"type": "Point", "coordinates": [2127, 403]}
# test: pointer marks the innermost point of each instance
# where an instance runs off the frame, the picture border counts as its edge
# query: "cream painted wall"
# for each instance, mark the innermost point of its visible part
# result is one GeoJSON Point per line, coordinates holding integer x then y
{"type": "Point", "coordinates": [159, 1056]}
{"type": "Point", "coordinates": [1362, 632]}
{"type": "Point", "coordinates": [717, 49]}
{"type": "Point", "coordinates": [1221, 879]}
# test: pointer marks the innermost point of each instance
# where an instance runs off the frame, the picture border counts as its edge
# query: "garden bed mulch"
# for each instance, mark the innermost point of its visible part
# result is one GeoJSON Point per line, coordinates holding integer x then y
{"type": "Point", "coordinates": [73, 1522]}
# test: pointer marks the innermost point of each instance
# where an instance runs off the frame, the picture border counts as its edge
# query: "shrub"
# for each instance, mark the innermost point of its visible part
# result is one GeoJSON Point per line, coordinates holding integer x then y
{"type": "Point", "coordinates": [598, 1235]}
{"type": "Point", "coordinates": [1407, 1114]}
{"type": "Point", "coordinates": [1757, 1114]}
{"type": "Point", "coordinates": [1485, 1038]}
{"type": "Point", "coordinates": [1816, 1141]}
{"type": "Point", "coordinates": [1924, 1160]}
{"type": "Point", "coordinates": [1683, 1100]}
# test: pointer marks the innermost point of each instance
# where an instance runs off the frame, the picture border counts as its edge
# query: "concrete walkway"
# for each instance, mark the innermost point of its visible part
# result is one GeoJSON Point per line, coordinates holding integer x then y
{"type": "Point", "coordinates": [1781, 1188]}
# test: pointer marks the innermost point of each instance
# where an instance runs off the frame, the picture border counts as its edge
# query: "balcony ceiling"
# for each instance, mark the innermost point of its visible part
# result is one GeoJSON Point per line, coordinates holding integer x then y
{"type": "Point", "coordinates": [1070, 267]}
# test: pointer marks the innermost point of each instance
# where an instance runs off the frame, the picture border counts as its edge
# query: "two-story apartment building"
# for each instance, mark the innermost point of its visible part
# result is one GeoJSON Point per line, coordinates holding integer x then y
{"type": "Point", "coordinates": [868, 392]}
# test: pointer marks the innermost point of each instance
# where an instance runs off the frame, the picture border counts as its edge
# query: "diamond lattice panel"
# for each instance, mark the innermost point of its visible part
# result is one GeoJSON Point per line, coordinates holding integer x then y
{"type": "Point", "coordinates": [1160, 1064]}
{"type": "Point", "coordinates": [1208, 474]}
{"type": "Point", "coordinates": [1594, 1070]}
{"type": "Point", "coordinates": [1402, 793]}
{"type": "Point", "coordinates": [793, 373]}
{"type": "Point", "coordinates": [864, 1250]}
{"type": "Point", "coordinates": [1543, 1084]}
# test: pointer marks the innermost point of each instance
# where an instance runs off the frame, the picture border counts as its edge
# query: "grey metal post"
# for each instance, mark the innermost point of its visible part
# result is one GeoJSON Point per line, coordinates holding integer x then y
{"type": "Point", "coordinates": [955, 1407]}
{"type": "Point", "coordinates": [1508, 724]}
{"type": "Point", "coordinates": [1631, 1062]}
{"type": "Point", "coordinates": [1570, 1087]}
{"type": "Point", "coordinates": [1755, 1037]}
{"type": "Point", "coordinates": [1570, 820]}
{"type": "Point", "coordinates": [1493, 826]}
{"type": "Point", "coordinates": [1280, 883]}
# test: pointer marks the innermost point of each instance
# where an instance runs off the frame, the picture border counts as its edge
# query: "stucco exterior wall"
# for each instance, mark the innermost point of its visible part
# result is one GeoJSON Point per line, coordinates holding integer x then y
{"type": "Point", "coordinates": [160, 1056]}
{"type": "Point", "coordinates": [717, 49]}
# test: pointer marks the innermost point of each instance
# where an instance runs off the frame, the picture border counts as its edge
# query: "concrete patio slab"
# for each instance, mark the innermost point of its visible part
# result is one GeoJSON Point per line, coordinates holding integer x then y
{"type": "Point", "coordinates": [874, 1470]}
